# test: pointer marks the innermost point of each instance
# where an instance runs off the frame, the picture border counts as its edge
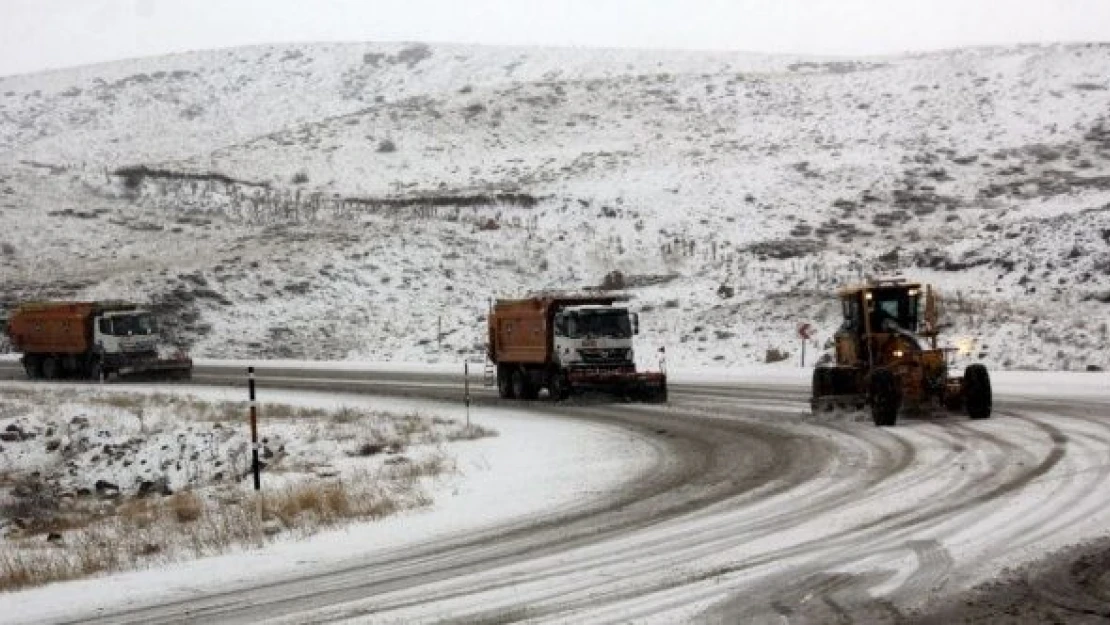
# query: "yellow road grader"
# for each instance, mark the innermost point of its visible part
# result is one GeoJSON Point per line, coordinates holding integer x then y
{"type": "Point", "coordinates": [887, 357]}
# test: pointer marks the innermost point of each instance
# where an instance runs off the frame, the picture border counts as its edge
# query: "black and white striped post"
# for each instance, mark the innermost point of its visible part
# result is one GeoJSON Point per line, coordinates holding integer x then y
{"type": "Point", "coordinates": [466, 390]}
{"type": "Point", "coordinates": [254, 430]}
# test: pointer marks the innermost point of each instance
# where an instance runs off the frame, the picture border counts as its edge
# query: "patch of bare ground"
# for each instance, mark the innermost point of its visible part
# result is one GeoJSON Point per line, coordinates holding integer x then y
{"type": "Point", "coordinates": [1068, 586]}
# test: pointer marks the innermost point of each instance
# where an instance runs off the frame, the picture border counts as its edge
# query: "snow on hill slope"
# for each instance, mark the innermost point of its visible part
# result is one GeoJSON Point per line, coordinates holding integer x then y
{"type": "Point", "coordinates": [366, 201]}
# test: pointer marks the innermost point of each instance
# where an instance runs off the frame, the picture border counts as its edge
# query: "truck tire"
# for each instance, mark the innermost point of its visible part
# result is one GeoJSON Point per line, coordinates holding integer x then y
{"type": "Point", "coordinates": [504, 383]}
{"type": "Point", "coordinates": [658, 395]}
{"type": "Point", "coordinates": [51, 368]}
{"type": "Point", "coordinates": [885, 398]}
{"type": "Point", "coordinates": [32, 367]}
{"type": "Point", "coordinates": [521, 387]}
{"type": "Point", "coordinates": [96, 370]}
{"type": "Point", "coordinates": [977, 392]}
{"type": "Point", "coordinates": [558, 387]}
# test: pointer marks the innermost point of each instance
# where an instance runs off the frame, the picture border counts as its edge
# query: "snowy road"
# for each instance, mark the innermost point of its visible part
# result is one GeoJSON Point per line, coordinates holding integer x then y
{"type": "Point", "coordinates": [764, 514]}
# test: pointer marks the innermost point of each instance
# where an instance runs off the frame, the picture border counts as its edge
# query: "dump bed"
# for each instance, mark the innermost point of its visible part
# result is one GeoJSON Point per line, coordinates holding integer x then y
{"type": "Point", "coordinates": [520, 330]}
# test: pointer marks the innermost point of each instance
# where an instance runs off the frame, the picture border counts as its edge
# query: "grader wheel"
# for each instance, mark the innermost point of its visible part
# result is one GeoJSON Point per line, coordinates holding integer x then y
{"type": "Point", "coordinates": [886, 398]}
{"type": "Point", "coordinates": [977, 392]}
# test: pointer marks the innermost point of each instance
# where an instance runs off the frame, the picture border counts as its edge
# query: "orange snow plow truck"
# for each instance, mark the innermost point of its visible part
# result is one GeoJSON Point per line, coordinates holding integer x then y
{"type": "Point", "coordinates": [566, 344]}
{"type": "Point", "coordinates": [91, 340]}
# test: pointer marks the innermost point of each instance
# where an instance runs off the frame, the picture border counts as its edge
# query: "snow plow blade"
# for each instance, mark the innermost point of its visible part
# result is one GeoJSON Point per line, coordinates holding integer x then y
{"type": "Point", "coordinates": [641, 386]}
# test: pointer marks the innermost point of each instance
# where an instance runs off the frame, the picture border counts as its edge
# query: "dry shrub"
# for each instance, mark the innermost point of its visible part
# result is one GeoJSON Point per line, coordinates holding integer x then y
{"type": "Point", "coordinates": [470, 432]}
{"type": "Point", "coordinates": [96, 552]}
{"type": "Point", "coordinates": [286, 411]}
{"type": "Point", "coordinates": [225, 527]}
{"type": "Point", "coordinates": [122, 401]}
{"type": "Point", "coordinates": [20, 570]}
{"type": "Point", "coordinates": [139, 513]}
{"type": "Point", "coordinates": [775, 355]}
{"type": "Point", "coordinates": [406, 471]}
{"type": "Point", "coordinates": [185, 507]}
{"type": "Point", "coordinates": [321, 502]}
{"type": "Point", "coordinates": [346, 415]}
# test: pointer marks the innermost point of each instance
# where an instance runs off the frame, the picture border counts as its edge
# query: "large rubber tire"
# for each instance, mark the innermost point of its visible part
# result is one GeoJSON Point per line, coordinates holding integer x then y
{"type": "Point", "coordinates": [977, 392]}
{"type": "Point", "coordinates": [505, 383]}
{"type": "Point", "coordinates": [51, 368]}
{"type": "Point", "coordinates": [558, 387]}
{"type": "Point", "coordinates": [821, 386]}
{"type": "Point", "coordinates": [886, 398]}
{"type": "Point", "coordinates": [531, 390]}
{"type": "Point", "coordinates": [660, 395]}
{"type": "Point", "coordinates": [32, 366]}
{"type": "Point", "coordinates": [520, 384]}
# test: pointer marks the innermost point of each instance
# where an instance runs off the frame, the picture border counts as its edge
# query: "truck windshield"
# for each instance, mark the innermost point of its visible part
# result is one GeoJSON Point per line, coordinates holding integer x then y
{"type": "Point", "coordinates": [581, 325]}
{"type": "Point", "coordinates": [127, 325]}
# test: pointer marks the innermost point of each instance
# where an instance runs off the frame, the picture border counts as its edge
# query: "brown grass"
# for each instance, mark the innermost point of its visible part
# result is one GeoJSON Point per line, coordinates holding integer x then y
{"type": "Point", "coordinates": [470, 432]}
{"type": "Point", "coordinates": [185, 507]}
{"type": "Point", "coordinates": [105, 537]}
{"type": "Point", "coordinates": [183, 524]}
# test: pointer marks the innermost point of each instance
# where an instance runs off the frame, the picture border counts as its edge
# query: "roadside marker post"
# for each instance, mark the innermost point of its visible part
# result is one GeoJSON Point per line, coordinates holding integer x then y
{"type": "Point", "coordinates": [254, 430]}
{"type": "Point", "coordinates": [805, 332]}
{"type": "Point", "coordinates": [466, 390]}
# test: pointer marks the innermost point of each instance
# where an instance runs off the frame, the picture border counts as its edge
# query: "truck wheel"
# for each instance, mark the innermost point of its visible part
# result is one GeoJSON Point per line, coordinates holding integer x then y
{"type": "Point", "coordinates": [977, 392]}
{"type": "Point", "coordinates": [32, 367]}
{"type": "Point", "coordinates": [521, 387]}
{"type": "Point", "coordinates": [885, 398]}
{"type": "Point", "coordinates": [504, 383]}
{"type": "Point", "coordinates": [659, 395]}
{"type": "Point", "coordinates": [96, 370]}
{"type": "Point", "coordinates": [51, 368]}
{"type": "Point", "coordinates": [558, 387]}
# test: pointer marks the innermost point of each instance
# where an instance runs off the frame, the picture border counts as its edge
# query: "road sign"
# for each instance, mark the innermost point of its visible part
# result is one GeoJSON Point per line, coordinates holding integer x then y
{"type": "Point", "coordinates": [805, 331]}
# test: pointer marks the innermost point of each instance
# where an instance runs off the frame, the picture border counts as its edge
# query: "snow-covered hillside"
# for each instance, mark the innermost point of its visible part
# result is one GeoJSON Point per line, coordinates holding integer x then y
{"type": "Point", "coordinates": [366, 201]}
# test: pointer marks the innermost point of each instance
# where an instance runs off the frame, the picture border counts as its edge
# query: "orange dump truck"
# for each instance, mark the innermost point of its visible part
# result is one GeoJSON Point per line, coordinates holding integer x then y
{"type": "Point", "coordinates": [91, 340]}
{"type": "Point", "coordinates": [566, 344]}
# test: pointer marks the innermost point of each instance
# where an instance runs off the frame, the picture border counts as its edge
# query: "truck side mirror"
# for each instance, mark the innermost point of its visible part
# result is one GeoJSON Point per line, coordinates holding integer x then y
{"type": "Point", "coordinates": [635, 323]}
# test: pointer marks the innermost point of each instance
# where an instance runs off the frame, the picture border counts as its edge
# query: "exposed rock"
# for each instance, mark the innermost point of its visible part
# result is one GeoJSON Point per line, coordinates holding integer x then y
{"type": "Point", "coordinates": [106, 488]}
{"type": "Point", "coordinates": [160, 486]}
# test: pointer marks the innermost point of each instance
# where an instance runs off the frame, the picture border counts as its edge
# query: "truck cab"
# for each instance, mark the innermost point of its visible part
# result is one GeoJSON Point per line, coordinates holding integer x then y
{"type": "Point", "coordinates": [131, 332]}
{"type": "Point", "coordinates": [594, 336]}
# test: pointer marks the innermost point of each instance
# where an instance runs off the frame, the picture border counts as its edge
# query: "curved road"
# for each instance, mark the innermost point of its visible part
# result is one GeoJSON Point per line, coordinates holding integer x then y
{"type": "Point", "coordinates": [761, 513]}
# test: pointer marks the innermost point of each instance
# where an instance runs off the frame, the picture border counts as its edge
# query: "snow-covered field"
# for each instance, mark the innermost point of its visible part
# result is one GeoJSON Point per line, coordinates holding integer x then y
{"type": "Point", "coordinates": [366, 201]}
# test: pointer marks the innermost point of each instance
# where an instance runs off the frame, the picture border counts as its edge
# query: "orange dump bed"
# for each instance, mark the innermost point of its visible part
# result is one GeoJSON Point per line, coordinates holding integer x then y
{"type": "Point", "coordinates": [518, 331]}
{"type": "Point", "coordinates": [59, 328]}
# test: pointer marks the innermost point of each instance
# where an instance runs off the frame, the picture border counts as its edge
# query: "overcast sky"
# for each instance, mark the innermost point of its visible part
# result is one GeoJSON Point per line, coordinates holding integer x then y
{"type": "Point", "coordinates": [44, 34]}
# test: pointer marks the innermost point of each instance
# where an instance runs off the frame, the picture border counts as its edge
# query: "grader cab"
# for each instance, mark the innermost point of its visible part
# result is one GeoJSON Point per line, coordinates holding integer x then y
{"type": "Point", "coordinates": [887, 357]}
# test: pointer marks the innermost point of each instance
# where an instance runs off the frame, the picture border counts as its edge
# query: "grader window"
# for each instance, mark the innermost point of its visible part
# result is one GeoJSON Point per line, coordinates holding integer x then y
{"type": "Point", "coordinates": [852, 317]}
{"type": "Point", "coordinates": [898, 306]}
